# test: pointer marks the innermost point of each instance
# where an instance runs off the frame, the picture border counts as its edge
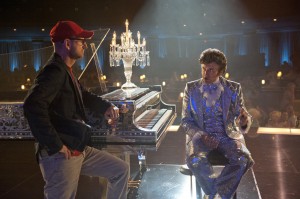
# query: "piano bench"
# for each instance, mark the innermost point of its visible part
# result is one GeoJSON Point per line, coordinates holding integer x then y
{"type": "Point", "coordinates": [216, 159]}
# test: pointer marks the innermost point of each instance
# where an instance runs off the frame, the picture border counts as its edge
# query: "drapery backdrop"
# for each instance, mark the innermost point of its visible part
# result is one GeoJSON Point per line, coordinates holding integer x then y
{"type": "Point", "coordinates": [276, 47]}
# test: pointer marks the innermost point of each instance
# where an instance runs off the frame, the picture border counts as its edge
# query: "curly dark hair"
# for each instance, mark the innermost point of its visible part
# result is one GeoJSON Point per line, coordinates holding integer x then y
{"type": "Point", "coordinates": [214, 55]}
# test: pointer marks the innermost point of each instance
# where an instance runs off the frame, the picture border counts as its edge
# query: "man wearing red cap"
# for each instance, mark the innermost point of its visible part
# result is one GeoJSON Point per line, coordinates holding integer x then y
{"type": "Point", "coordinates": [55, 110]}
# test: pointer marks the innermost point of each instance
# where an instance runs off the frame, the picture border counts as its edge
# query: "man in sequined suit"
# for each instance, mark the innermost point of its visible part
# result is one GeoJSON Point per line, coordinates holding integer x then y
{"type": "Point", "coordinates": [214, 118]}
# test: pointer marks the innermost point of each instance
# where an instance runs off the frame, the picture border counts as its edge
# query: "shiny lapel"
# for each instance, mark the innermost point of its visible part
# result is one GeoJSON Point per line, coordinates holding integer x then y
{"type": "Point", "coordinates": [226, 99]}
{"type": "Point", "coordinates": [198, 104]}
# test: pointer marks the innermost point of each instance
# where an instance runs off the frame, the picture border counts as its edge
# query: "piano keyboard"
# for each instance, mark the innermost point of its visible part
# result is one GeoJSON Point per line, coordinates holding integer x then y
{"type": "Point", "coordinates": [153, 119]}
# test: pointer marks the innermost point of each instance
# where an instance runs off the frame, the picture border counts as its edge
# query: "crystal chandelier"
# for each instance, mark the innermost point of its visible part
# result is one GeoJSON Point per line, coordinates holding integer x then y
{"type": "Point", "coordinates": [130, 53]}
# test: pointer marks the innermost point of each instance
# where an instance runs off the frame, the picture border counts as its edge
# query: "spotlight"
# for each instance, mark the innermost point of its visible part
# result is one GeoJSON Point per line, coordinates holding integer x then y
{"type": "Point", "coordinates": [118, 84]}
{"type": "Point", "coordinates": [263, 82]}
{"type": "Point", "coordinates": [163, 83]}
{"type": "Point", "coordinates": [279, 74]}
{"type": "Point", "coordinates": [181, 94]}
{"type": "Point", "coordinates": [23, 87]}
{"type": "Point", "coordinates": [227, 75]}
{"type": "Point", "coordinates": [28, 79]}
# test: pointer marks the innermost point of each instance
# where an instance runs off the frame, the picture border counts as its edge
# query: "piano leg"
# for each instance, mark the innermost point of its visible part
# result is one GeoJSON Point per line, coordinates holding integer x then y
{"type": "Point", "coordinates": [142, 159]}
{"type": "Point", "coordinates": [135, 183]}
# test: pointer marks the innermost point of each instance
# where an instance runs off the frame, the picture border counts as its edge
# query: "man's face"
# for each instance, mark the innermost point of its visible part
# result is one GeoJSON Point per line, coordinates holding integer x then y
{"type": "Point", "coordinates": [210, 72]}
{"type": "Point", "coordinates": [77, 47]}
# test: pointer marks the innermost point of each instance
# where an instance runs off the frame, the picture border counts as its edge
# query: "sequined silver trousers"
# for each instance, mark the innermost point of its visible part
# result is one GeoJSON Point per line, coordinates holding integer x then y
{"type": "Point", "coordinates": [239, 161]}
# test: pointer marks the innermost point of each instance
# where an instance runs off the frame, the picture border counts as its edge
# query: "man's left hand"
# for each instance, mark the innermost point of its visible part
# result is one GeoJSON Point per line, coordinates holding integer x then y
{"type": "Point", "coordinates": [243, 117]}
{"type": "Point", "coordinates": [112, 113]}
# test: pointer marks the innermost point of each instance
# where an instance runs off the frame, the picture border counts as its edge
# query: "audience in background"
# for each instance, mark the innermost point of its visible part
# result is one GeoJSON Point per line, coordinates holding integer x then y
{"type": "Point", "coordinates": [256, 117]}
{"type": "Point", "coordinates": [261, 107]}
{"type": "Point", "coordinates": [274, 119]}
{"type": "Point", "coordinates": [292, 118]}
{"type": "Point", "coordinates": [284, 123]}
{"type": "Point", "coordinates": [288, 96]}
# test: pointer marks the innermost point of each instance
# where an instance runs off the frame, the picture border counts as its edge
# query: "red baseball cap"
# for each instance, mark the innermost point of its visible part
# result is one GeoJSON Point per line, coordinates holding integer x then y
{"type": "Point", "coordinates": [68, 29]}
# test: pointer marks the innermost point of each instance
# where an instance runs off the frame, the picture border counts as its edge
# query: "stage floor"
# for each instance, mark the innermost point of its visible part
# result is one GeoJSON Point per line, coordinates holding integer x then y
{"type": "Point", "coordinates": [277, 170]}
{"type": "Point", "coordinates": [165, 181]}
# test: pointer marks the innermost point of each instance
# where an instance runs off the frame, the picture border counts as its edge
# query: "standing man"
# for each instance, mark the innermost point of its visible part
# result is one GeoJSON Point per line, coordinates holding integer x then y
{"type": "Point", "coordinates": [214, 118]}
{"type": "Point", "coordinates": [55, 110]}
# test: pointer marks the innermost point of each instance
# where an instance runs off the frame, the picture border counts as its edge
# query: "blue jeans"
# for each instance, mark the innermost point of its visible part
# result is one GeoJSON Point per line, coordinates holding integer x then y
{"type": "Point", "coordinates": [61, 175]}
{"type": "Point", "coordinates": [227, 182]}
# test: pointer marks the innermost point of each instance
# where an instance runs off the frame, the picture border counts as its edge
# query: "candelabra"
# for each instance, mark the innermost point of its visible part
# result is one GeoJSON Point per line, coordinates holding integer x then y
{"type": "Point", "coordinates": [130, 53]}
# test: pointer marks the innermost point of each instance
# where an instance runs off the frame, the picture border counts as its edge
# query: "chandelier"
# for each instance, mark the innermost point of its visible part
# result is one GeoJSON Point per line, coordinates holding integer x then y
{"type": "Point", "coordinates": [130, 53]}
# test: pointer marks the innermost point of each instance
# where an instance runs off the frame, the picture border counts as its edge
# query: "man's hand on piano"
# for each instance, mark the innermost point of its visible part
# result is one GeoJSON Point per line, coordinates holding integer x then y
{"type": "Point", "coordinates": [112, 113]}
{"type": "Point", "coordinates": [124, 109]}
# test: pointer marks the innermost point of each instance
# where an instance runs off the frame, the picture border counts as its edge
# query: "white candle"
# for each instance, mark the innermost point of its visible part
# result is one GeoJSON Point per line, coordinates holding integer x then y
{"type": "Point", "coordinates": [122, 40]}
{"type": "Point", "coordinates": [126, 24]}
{"type": "Point", "coordinates": [113, 42]}
{"type": "Point", "coordinates": [139, 38]}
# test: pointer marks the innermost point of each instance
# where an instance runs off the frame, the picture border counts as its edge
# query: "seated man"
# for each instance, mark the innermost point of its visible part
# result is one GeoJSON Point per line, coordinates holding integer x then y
{"type": "Point", "coordinates": [214, 118]}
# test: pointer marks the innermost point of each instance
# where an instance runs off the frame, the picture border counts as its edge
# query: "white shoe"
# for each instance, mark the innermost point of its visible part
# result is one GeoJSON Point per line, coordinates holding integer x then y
{"type": "Point", "coordinates": [206, 196]}
{"type": "Point", "coordinates": [217, 196]}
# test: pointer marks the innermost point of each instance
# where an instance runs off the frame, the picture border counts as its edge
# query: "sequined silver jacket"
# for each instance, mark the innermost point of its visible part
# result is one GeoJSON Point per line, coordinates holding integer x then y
{"type": "Point", "coordinates": [192, 114]}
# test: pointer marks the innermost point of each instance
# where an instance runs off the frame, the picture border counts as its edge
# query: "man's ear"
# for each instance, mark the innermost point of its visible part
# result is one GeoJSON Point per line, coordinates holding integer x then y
{"type": "Point", "coordinates": [67, 44]}
{"type": "Point", "coordinates": [221, 72]}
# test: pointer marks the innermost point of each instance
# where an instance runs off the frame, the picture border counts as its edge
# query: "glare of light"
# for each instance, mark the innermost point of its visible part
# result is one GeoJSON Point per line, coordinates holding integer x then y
{"type": "Point", "coordinates": [163, 83]}
{"type": "Point", "coordinates": [200, 33]}
{"type": "Point", "coordinates": [226, 75]}
{"type": "Point", "coordinates": [23, 87]}
{"type": "Point", "coordinates": [274, 19]}
{"type": "Point", "coordinates": [28, 79]}
{"type": "Point", "coordinates": [184, 25]}
{"type": "Point", "coordinates": [104, 77]}
{"type": "Point", "coordinates": [279, 74]}
{"type": "Point", "coordinates": [142, 77]}
{"type": "Point", "coordinates": [263, 82]}
{"type": "Point", "coordinates": [185, 75]}
{"type": "Point", "coordinates": [242, 22]}
{"type": "Point", "coordinates": [118, 84]}
{"type": "Point", "coordinates": [181, 76]}
{"type": "Point", "coordinates": [43, 29]}
{"type": "Point", "coordinates": [181, 94]}
{"type": "Point", "coordinates": [15, 29]}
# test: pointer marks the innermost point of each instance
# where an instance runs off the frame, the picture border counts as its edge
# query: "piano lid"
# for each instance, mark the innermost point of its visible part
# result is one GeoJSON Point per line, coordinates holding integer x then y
{"type": "Point", "coordinates": [128, 94]}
